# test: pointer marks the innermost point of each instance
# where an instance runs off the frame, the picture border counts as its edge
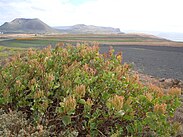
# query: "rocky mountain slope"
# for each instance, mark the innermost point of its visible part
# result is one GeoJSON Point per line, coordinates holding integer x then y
{"type": "Point", "coordinates": [22, 25]}
{"type": "Point", "coordinates": [88, 29]}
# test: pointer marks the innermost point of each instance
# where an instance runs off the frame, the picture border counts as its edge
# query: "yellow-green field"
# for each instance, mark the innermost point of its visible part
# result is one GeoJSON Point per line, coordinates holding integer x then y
{"type": "Point", "coordinates": [27, 41]}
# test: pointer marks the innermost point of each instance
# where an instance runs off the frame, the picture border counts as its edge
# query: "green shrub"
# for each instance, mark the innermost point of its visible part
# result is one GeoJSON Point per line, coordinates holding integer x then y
{"type": "Point", "coordinates": [75, 91]}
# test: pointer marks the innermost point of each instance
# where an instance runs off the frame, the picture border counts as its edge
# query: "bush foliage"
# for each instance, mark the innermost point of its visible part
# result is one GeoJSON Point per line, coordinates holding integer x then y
{"type": "Point", "coordinates": [75, 91]}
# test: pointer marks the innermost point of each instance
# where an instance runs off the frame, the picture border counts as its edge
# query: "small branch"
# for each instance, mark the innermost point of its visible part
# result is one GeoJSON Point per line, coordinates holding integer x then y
{"type": "Point", "coordinates": [101, 133]}
{"type": "Point", "coordinates": [3, 77]}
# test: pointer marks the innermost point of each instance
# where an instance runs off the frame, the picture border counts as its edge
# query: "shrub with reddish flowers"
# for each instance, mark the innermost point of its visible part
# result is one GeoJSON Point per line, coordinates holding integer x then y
{"type": "Point", "coordinates": [75, 91]}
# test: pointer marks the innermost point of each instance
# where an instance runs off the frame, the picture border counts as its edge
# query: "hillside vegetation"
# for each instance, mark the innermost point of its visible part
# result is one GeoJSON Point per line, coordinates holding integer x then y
{"type": "Point", "coordinates": [75, 91]}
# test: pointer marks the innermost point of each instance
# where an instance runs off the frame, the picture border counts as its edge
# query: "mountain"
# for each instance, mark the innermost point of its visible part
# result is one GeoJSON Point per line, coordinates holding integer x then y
{"type": "Point", "coordinates": [88, 29]}
{"type": "Point", "coordinates": [22, 25]}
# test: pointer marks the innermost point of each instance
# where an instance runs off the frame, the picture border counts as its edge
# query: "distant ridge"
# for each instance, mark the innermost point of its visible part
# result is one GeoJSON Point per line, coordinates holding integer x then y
{"type": "Point", "coordinates": [22, 25]}
{"type": "Point", "coordinates": [88, 29]}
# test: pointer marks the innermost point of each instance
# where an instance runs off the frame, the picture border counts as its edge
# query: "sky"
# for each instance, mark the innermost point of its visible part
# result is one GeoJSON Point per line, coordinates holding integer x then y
{"type": "Point", "coordinates": [128, 15]}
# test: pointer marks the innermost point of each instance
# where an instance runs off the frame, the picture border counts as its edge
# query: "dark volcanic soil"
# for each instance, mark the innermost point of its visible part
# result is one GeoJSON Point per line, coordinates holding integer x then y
{"type": "Point", "coordinates": [158, 61]}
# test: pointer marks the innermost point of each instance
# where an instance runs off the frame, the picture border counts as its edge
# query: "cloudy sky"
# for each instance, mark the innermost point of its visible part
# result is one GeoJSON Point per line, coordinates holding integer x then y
{"type": "Point", "coordinates": [139, 15]}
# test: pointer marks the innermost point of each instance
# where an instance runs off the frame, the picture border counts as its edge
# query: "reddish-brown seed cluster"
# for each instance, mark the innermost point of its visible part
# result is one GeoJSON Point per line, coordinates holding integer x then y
{"type": "Point", "coordinates": [174, 91]}
{"type": "Point", "coordinates": [69, 104]}
{"type": "Point", "coordinates": [80, 91]}
{"type": "Point", "coordinates": [89, 70]}
{"type": "Point", "coordinates": [160, 108]}
{"type": "Point", "coordinates": [116, 102]}
{"type": "Point", "coordinates": [157, 90]}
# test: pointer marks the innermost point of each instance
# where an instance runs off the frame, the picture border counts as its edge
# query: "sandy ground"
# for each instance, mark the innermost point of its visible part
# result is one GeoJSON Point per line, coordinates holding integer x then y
{"type": "Point", "coordinates": [158, 61]}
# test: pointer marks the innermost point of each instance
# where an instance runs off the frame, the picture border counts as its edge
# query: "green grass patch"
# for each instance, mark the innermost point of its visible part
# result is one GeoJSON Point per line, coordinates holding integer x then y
{"type": "Point", "coordinates": [9, 51]}
{"type": "Point", "coordinates": [27, 43]}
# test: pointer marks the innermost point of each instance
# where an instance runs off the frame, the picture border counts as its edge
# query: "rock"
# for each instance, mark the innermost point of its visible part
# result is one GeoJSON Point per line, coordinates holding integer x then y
{"type": "Point", "coordinates": [180, 84]}
{"type": "Point", "coordinates": [162, 80]}
{"type": "Point", "coordinates": [168, 83]}
{"type": "Point", "coordinates": [176, 82]}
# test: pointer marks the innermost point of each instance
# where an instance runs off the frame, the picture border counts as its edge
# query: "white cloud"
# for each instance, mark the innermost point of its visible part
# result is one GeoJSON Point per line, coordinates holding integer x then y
{"type": "Point", "coordinates": [152, 15]}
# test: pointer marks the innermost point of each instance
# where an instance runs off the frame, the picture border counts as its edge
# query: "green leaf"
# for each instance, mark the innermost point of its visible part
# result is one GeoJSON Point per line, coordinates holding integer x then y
{"type": "Point", "coordinates": [93, 125]}
{"type": "Point", "coordinates": [128, 117]}
{"type": "Point", "coordinates": [56, 86]}
{"type": "Point", "coordinates": [81, 101]}
{"type": "Point", "coordinates": [66, 120]}
{"type": "Point", "coordinates": [32, 88]}
{"type": "Point", "coordinates": [105, 95]}
{"type": "Point", "coordinates": [120, 113]}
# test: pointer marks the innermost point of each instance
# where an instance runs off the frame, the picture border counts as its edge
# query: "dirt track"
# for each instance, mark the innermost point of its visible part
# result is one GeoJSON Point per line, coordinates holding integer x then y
{"type": "Point", "coordinates": [158, 61]}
